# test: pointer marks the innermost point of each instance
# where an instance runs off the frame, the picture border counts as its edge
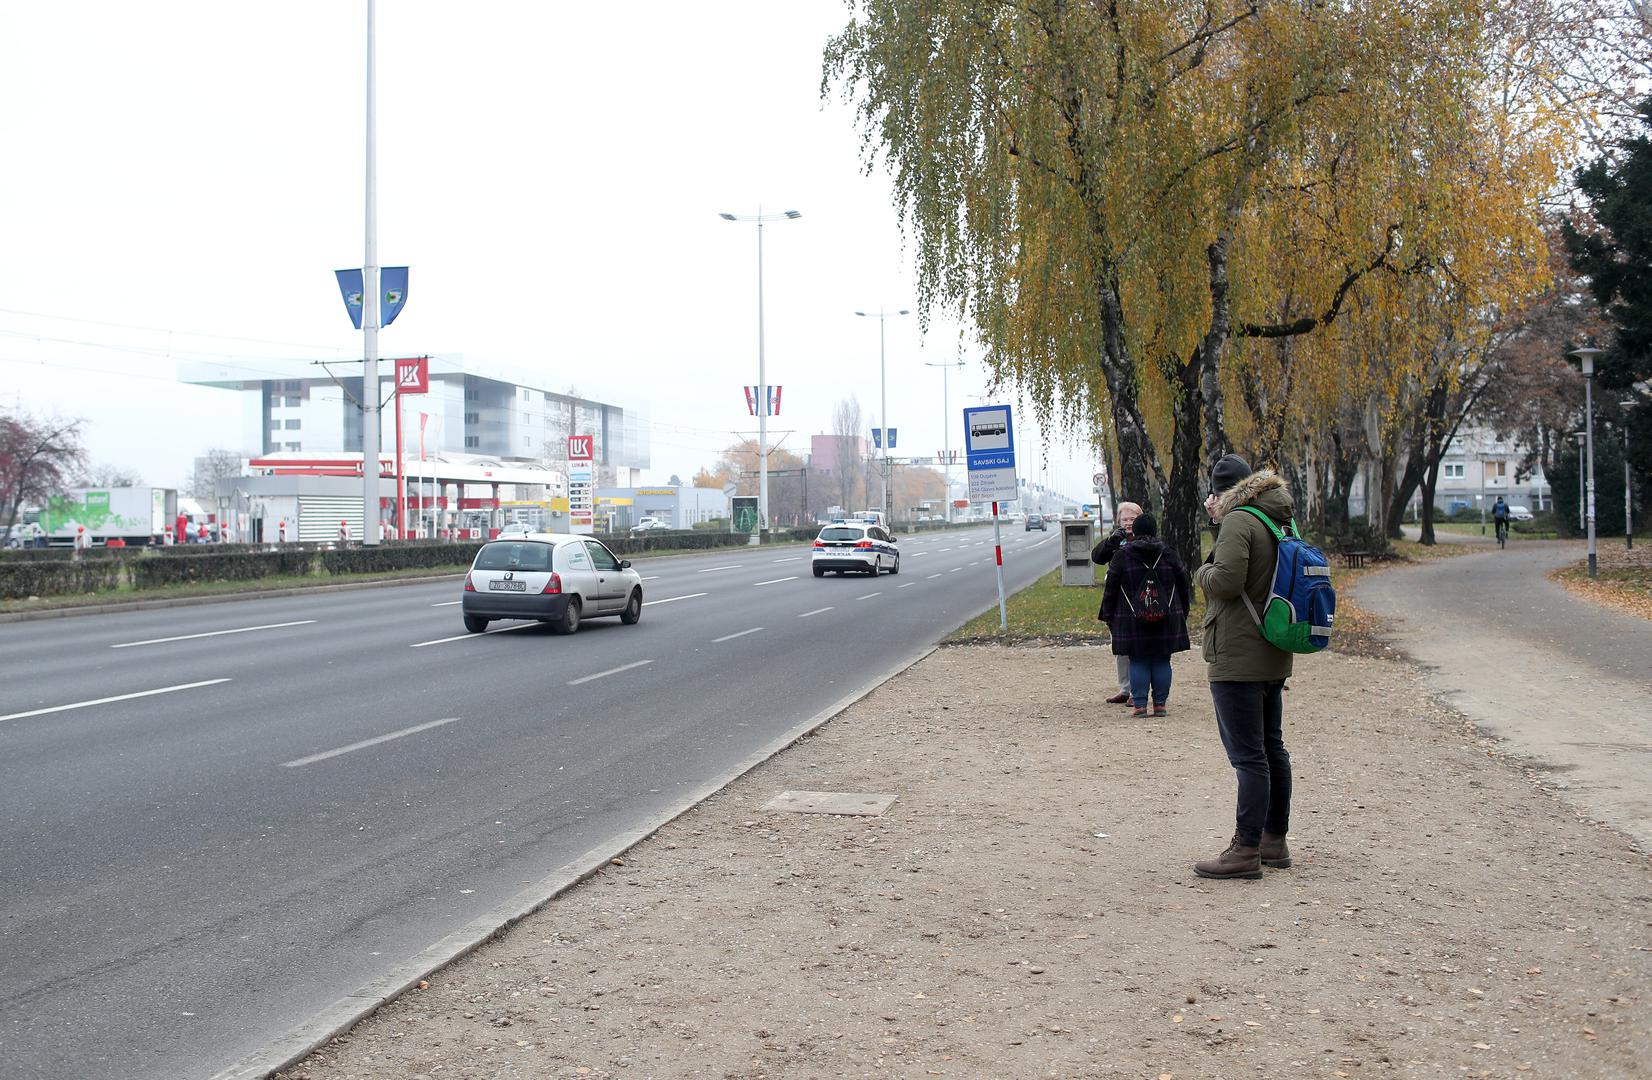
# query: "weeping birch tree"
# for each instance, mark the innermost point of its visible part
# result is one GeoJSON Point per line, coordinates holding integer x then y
{"type": "Point", "coordinates": [1132, 202]}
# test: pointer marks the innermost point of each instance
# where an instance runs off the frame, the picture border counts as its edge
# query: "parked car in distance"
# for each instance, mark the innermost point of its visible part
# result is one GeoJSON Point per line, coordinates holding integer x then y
{"type": "Point", "coordinates": [552, 577]}
{"type": "Point", "coordinates": [1519, 513]}
{"type": "Point", "coordinates": [1036, 521]}
{"type": "Point", "coordinates": [514, 530]}
{"type": "Point", "coordinates": [651, 524]}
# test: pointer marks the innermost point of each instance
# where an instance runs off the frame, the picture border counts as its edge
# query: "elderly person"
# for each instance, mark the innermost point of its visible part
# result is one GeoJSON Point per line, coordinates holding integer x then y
{"type": "Point", "coordinates": [1124, 520]}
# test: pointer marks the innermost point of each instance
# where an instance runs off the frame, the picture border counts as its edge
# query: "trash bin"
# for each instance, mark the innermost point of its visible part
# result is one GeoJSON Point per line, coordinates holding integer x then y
{"type": "Point", "coordinates": [1078, 536]}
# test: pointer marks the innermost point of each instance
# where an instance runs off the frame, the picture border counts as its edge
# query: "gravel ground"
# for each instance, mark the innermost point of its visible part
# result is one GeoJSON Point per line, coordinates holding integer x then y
{"type": "Point", "coordinates": [1026, 907]}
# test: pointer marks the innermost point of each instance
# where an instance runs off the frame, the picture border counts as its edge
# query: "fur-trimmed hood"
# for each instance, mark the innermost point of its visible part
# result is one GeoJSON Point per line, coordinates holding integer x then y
{"type": "Point", "coordinates": [1263, 489]}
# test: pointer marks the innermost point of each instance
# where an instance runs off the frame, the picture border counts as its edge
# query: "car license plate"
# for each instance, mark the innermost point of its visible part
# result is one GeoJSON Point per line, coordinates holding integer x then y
{"type": "Point", "coordinates": [507, 586]}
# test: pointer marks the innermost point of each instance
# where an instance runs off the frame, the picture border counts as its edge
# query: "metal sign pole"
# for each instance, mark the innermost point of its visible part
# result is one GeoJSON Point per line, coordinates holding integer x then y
{"type": "Point", "coordinates": [998, 557]}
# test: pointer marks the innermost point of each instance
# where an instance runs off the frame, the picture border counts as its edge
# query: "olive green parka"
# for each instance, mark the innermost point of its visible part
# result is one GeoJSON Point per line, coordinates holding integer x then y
{"type": "Point", "coordinates": [1243, 559]}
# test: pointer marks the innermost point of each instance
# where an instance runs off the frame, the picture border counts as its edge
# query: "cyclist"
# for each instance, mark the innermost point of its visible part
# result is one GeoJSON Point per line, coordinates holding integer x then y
{"type": "Point", "coordinates": [1500, 515]}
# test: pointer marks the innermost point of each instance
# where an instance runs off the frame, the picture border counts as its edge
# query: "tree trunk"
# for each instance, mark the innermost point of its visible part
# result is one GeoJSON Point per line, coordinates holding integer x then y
{"type": "Point", "coordinates": [1183, 521]}
{"type": "Point", "coordinates": [1431, 478]}
{"type": "Point", "coordinates": [1136, 462]}
{"type": "Point", "coordinates": [1209, 355]}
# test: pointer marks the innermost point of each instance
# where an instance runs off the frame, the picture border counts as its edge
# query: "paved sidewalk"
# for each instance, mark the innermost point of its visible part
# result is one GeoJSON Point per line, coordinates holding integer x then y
{"type": "Point", "coordinates": [1025, 908]}
{"type": "Point", "coordinates": [1563, 681]}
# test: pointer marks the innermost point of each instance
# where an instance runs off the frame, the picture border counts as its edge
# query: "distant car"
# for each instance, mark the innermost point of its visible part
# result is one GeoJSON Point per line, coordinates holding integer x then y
{"type": "Point", "coordinates": [651, 524]}
{"type": "Point", "coordinates": [1036, 521]}
{"type": "Point", "coordinates": [858, 546]}
{"type": "Point", "coordinates": [515, 530]}
{"type": "Point", "coordinates": [873, 517]}
{"type": "Point", "coordinates": [552, 577]}
{"type": "Point", "coordinates": [1519, 513]}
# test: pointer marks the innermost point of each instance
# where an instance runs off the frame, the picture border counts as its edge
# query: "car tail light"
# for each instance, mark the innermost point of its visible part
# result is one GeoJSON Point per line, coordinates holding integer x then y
{"type": "Point", "coordinates": [470, 586]}
{"type": "Point", "coordinates": [820, 543]}
{"type": "Point", "coordinates": [865, 544]}
{"type": "Point", "coordinates": [552, 587]}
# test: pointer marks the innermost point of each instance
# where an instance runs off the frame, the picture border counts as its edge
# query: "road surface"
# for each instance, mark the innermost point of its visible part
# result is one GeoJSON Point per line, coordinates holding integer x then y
{"type": "Point", "coordinates": [216, 820]}
{"type": "Point", "coordinates": [1563, 681]}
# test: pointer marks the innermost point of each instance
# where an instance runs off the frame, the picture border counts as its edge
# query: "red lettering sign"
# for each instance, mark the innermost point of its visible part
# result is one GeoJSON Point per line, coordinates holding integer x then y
{"type": "Point", "coordinates": [581, 447]}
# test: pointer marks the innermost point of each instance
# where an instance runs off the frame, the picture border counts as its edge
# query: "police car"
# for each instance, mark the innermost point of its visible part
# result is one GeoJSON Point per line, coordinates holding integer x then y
{"type": "Point", "coordinates": [859, 546]}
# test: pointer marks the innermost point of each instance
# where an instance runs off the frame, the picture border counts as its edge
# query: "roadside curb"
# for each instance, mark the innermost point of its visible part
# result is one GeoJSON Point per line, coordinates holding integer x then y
{"type": "Point", "coordinates": [345, 1013]}
{"type": "Point", "coordinates": [219, 598]}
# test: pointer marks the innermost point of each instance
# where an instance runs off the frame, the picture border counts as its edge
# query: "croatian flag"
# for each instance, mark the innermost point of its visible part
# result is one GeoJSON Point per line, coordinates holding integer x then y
{"type": "Point", "coordinates": [754, 394]}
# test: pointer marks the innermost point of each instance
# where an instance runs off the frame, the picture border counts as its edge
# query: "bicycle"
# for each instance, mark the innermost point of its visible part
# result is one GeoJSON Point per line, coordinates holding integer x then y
{"type": "Point", "coordinates": [1502, 532]}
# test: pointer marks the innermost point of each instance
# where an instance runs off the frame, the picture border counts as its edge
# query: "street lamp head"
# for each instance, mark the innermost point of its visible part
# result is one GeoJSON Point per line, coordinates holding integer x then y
{"type": "Point", "coordinates": [728, 217]}
{"type": "Point", "coordinates": [1586, 357]}
{"type": "Point", "coordinates": [793, 215]}
{"type": "Point", "coordinates": [905, 312]}
{"type": "Point", "coordinates": [860, 313]}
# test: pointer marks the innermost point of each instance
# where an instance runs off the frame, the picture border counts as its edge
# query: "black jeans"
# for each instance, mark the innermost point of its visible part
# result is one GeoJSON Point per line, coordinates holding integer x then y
{"type": "Point", "coordinates": [1251, 718]}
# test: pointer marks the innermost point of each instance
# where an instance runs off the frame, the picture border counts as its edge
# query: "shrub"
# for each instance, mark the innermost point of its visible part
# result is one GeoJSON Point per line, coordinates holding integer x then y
{"type": "Point", "coordinates": [156, 571]}
{"type": "Point", "coordinates": [372, 560]}
{"type": "Point", "coordinates": [24, 578]}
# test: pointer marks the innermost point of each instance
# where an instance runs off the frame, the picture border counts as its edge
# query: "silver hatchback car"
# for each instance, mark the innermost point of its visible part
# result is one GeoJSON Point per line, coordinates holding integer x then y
{"type": "Point", "coordinates": [550, 577]}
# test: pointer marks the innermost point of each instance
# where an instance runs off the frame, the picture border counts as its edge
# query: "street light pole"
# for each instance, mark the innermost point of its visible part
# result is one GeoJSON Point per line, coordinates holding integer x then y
{"type": "Point", "coordinates": [1578, 435]}
{"type": "Point", "coordinates": [762, 396]}
{"type": "Point", "coordinates": [946, 433]}
{"type": "Point", "coordinates": [1586, 357]}
{"type": "Point", "coordinates": [1628, 484]}
{"type": "Point", "coordinates": [370, 312]}
{"type": "Point", "coordinates": [883, 407]}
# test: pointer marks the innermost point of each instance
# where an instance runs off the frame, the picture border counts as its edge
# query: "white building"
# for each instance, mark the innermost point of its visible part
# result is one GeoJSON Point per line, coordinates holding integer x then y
{"type": "Point", "coordinates": [1478, 467]}
{"type": "Point", "coordinates": [472, 410]}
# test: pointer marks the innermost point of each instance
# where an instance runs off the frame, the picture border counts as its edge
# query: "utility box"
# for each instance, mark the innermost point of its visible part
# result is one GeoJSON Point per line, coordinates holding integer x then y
{"type": "Point", "coordinates": [1078, 536]}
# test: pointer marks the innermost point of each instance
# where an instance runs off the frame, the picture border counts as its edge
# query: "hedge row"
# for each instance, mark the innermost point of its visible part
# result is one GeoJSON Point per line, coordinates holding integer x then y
{"type": "Point", "coordinates": [371, 560]}
{"type": "Point", "coordinates": [25, 578]}
{"type": "Point", "coordinates": [228, 566]}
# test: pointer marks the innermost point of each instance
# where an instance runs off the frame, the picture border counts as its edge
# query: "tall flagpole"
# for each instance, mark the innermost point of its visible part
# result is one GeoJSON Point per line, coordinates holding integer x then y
{"type": "Point", "coordinates": [370, 316]}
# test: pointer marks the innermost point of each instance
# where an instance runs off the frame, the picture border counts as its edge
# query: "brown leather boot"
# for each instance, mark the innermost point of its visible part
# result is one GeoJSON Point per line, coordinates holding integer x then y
{"type": "Point", "coordinates": [1238, 861]}
{"type": "Point", "coordinates": [1274, 851]}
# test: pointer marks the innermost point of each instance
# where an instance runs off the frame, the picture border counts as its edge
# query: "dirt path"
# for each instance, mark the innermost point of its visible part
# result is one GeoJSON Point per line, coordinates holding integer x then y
{"type": "Point", "coordinates": [1025, 908]}
{"type": "Point", "coordinates": [1564, 682]}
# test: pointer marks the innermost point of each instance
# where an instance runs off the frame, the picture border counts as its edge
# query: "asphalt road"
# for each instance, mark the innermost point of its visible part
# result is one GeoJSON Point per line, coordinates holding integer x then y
{"type": "Point", "coordinates": [1563, 681]}
{"type": "Point", "coordinates": [215, 820]}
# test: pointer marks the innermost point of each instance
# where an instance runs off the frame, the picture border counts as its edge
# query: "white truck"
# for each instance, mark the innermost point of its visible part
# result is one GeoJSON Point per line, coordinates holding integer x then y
{"type": "Point", "coordinates": [132, 515]}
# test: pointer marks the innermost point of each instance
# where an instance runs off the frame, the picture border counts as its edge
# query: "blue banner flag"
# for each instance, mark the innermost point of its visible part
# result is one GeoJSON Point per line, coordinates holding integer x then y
{"type": "Point", "coordinates": [349, 283]}
{"type": "Point", "coordinates": [393, 287]}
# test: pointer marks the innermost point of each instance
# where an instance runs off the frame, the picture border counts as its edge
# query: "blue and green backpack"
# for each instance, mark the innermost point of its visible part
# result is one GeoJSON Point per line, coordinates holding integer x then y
{"type": "Point", "coordinates": [1298, 614]}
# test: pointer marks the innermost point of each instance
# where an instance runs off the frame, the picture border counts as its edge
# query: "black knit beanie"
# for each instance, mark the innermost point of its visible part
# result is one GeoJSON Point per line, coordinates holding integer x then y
{"type": "Point", "coordinates": [1227, 472]}
{"type": "Point", "coordinates": [1144, 525]}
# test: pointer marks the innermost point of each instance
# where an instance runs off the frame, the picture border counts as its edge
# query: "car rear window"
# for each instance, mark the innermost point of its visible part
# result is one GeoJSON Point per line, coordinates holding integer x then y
{"type": "Point", "coordinates": [842, 533]}
{"type": "Point", "coordinates": [527, 555]}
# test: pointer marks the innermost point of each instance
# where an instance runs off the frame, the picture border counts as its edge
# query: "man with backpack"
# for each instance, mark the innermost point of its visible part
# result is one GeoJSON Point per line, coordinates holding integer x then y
{"type": "Point", "coordinates": [1247, 673]}
{"type": "Point", "coordinates": [1144, 604]}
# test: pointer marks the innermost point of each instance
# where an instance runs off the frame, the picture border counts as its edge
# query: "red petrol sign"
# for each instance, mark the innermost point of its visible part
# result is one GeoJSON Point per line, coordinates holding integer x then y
{"type": "Point", "coordinates": [581, 447]}
{"type": "Point", "coordinates": [413, 375]}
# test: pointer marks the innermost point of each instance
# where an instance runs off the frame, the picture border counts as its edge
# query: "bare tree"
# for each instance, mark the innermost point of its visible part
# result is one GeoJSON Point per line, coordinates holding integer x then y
{"type": "Point", "coordinates": [848, 429]}
{"type": "Point", "coordinates": [215, 465]}
{"type": "Point", "coordinates": [105, 475]}
{"type": "Point", "coordinates": [38, 459]}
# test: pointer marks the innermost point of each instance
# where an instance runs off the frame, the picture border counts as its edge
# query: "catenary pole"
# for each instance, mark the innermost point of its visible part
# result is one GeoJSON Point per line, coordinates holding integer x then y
{"type": "Point", "coordinates": [370, 312]}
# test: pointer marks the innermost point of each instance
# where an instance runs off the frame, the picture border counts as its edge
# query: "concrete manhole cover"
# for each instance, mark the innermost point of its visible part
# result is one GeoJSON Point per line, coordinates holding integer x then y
{"type": "Point", "coordinates": [852, 803]}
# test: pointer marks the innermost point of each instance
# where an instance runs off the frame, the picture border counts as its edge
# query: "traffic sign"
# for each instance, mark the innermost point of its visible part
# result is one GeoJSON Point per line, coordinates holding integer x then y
{"type": "Point", "coordinates": [989, 453]}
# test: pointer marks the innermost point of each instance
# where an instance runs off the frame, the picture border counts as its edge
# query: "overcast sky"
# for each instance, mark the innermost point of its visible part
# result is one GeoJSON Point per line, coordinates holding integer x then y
{"type": "Point", "coordinates": [182, 178]}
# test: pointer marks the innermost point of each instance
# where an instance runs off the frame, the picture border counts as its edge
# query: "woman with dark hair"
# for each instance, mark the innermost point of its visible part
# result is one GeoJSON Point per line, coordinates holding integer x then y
{"type": "Point", "coordinates": [1145, 603]}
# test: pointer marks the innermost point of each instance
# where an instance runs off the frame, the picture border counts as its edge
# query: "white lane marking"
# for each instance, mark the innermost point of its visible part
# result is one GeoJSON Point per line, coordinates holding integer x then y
{"type": "Point", "coordinates": [730, 566]}
{"type": "Point", "coordinates": [907, 585]}
{"type": "Point", "coordinates": [794, 558]}
{"type": "Point", "coordinates": [610, 671]}
{"type": "Point", "coordinates": [869, 595]}
{"type": "Point", "coordinates": [668, 599]}
{"type": "Point", "coordinates": [776, 581]}
{"type": "Point", "coordinates": [211, 633]}
{"type": "Point", "coordinates": [117, 697]}
{"type": "Point", "coordinates": [466, 637]}
{"type": "Point", "coordinates": [955, 569]}
{"type": "Point", "coordinates": [652, 577]}
{"type": "Point", "coordinates": [816, 611]}
{"type": "Point", "coordinates": [731, 637]}
{"type": "Point", "coordinates": [915, 554]}
{"type": "Point", "coordinates": [932, 577]}
{"type": "Point", "coordinates": [944, 549]}
{"type": "Point", "coordinates": [447, 603]}
{"type": "Point", "coordinates": [365, 743]}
